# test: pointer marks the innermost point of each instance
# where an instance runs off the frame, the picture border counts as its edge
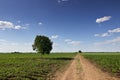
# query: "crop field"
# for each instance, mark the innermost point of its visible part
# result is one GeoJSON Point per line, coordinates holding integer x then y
{"type": "Point", "coordinates": [109, 62]}
{"type": "Point", "coordinates": [32, 66]}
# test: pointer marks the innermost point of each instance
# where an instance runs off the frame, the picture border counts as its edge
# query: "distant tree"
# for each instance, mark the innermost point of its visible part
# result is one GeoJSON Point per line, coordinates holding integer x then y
{"type": "Point", "coordinates": [80, 51]}
{"type": "Point", "coordinates": [15, 52]}
{"type": "Point", "coordinates": [42, 44]}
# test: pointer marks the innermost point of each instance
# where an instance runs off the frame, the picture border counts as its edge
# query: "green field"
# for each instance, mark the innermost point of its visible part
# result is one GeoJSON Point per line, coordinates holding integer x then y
{"type": "Point", "coordinates": [109, 62]}
{"type": "Point", "coordinates": [31, 66]}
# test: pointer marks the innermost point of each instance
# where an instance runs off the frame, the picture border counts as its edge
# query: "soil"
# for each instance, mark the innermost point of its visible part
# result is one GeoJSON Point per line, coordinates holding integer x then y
{"type": "Point", "coordinates": [81, 69]}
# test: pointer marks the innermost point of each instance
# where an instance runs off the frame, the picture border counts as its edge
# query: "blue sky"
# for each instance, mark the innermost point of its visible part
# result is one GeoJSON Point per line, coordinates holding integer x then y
{"type": "Point", "coordinates": [72, 25]}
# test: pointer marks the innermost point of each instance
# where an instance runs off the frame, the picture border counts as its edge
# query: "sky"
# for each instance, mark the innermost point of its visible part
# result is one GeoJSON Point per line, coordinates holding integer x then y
{"type": "Point", "coordinates": [72, 25]}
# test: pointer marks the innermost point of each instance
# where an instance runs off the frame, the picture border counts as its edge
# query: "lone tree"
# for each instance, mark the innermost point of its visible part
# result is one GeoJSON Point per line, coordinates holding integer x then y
{"type": "Point", "coordinates": [42, 44]}
{"type": "Point", "coordinates": [80, 51]}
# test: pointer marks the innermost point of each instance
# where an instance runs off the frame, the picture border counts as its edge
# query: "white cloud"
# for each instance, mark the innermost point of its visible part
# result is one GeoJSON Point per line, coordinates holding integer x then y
{"type": "Point", "coordinates": [96, 35]}
{"type": "Point", "coordinates": [9, 25]}
{"type": "Point", "coordinates": [75, 43]}
{"type": "Point", "coordinates": [103, 19]}
{"type": "Point", "coordinates": [115, 40]}
{"type": "Point", "coordinates": [71, 42]}
{"type": "Point", "coordinates": [40, 23]}
{"type": "Point", "coordinates": [117, 30]}
{"type": "Point", "coordinates": [17, 27]}
{"type": "Point", "coordinates": [59, 1]}
{"type": "Point", "coordinates": [6, 24]}
{"type": "Point", "coordinates": [67, 40]}
{"type": "Point", "coordinates": [108, 33]}
{"type": "Point", "coordinates": [54, 36]}
{"type": "Point", "coordinates": [102, 35]}
{"type": "Point", "coordinates": [105, 34]}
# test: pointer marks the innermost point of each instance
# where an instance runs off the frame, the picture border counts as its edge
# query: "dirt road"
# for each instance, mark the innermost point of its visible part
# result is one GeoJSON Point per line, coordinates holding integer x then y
{"type": "Point", "coordinates": [90, 72]}
{"type": "Point", "coordinates": [82, 69]}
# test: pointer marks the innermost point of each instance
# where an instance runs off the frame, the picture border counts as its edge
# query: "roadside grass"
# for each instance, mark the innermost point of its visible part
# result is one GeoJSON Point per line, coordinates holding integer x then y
{"type": "Point", "coordinates": [31, 66]}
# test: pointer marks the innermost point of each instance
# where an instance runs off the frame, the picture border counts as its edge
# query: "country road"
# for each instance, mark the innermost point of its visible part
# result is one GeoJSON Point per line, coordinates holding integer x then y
{"type": "Point", "coordinates": [82, 69]}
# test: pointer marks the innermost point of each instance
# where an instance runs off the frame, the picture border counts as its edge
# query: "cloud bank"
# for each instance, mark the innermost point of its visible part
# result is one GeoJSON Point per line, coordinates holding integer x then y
{"type": "Point", "coordinates": [108, 33]}
{"type": "Point", "coordinates": [115, 40]}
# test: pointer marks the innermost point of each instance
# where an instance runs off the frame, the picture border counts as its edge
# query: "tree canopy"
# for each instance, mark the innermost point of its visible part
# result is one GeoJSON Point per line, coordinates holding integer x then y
{"type": "Point", "coordinates": [80, 51]}
{"type": "Point", "coordinates": [42, 44]}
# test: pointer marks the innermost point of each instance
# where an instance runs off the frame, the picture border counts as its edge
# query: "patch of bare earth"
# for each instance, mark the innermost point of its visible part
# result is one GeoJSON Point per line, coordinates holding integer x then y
{"type": "Point", "coordinates": [82, 69]}
{"type": "Point", "coordinates": [72, 72]}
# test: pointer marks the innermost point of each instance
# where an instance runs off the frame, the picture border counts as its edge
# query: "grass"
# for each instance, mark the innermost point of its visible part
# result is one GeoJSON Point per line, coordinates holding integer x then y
{"type": "Point", "coordinates": [31, 66]}
{"type": "Point", "coordinates": [107, 61]}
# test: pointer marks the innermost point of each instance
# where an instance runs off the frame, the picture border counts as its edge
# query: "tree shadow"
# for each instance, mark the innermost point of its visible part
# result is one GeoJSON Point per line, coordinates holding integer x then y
{"type": "Point", "coordinates": [62, 58]}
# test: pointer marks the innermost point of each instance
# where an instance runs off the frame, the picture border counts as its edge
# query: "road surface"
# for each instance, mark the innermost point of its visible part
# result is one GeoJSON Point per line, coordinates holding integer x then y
{"type": "Point", "coordinates": [81, 69]}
